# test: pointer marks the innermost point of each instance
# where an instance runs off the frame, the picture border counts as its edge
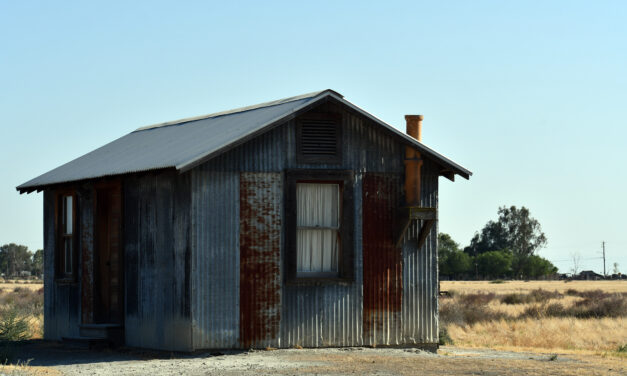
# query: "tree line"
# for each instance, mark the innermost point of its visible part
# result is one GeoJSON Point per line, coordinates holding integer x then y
{"type": "Point", "coordinates": [18, 261]}
{"type": "Point", "coordinates": [504, 248]}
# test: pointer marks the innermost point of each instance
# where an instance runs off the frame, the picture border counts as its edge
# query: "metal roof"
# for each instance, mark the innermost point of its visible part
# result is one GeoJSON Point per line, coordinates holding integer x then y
{"type": "Point", "coordinates": [186, 143]}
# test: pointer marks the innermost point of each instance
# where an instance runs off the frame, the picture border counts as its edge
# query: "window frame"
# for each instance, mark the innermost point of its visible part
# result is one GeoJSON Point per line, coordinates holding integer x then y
{"type": "Point", "coordinates": [320, 159]}
{"type": "Point", "coordinates": [344, 179]}
{"type": "Point", "coordinates": [61, 275]}
{"type": "Point", "coordinates": [339, 229]}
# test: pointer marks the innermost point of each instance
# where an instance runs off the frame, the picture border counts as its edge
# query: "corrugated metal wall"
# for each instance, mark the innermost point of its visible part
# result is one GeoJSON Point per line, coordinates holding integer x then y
{"type": "Point", "coordinates": [330, 314]}
{"type": "Point", "coordinates": [215, 262]}
{"type": "Point", "coordinates": [420, 266]}
{"type": "Point", "coordinates": [86, 219]}
{"type": "Point", "coordinates": [157, 254]}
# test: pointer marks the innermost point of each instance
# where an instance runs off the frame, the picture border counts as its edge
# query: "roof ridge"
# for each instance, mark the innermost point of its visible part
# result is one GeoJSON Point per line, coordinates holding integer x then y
{"type": "Point", "coordinates": [235, 110]}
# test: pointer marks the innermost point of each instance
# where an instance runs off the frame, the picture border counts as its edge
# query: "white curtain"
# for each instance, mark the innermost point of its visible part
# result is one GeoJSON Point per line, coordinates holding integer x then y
{"type": "Point", "coordinates": [318, 208]}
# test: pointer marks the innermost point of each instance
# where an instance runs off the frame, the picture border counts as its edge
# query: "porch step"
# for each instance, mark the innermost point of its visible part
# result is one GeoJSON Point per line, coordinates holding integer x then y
{"type": "Point", "coordinates": [113, 333]}
{"type": "Point", "coordinates": [86, 342]}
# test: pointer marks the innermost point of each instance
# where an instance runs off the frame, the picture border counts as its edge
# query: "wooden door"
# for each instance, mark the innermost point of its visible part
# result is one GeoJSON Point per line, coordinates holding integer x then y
{"type": "Point", "coordinates": [108, 266]}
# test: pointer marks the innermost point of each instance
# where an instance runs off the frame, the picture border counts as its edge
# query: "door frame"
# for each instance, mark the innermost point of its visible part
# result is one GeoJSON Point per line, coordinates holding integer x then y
{"type": "Point", "coordinates": [114, 185]}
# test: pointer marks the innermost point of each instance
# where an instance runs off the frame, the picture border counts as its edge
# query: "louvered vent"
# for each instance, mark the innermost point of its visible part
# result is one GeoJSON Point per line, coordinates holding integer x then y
{"type": "Point", "coordinates": [319, 140]}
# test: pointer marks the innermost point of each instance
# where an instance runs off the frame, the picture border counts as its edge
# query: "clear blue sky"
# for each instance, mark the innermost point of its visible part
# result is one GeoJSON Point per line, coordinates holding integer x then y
{"type": "Point", "coordinates": [531, 96]}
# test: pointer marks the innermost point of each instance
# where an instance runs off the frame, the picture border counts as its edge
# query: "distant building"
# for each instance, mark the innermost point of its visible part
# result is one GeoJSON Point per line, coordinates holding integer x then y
{"type": "Point", "coordinates": [589, 275]}
{"type": "Point", "coordinates": [300, 222]}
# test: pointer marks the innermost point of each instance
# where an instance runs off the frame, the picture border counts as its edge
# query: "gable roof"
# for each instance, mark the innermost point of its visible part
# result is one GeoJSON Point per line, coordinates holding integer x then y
{"type": "Point", "coordinates": [186, 143]}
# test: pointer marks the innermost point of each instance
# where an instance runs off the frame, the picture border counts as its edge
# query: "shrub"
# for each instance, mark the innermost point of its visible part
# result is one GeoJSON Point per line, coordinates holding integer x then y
{"type": "Point", "coordinates": [544, 310]}
{"type": "Point", "coordinates": [572, 292]}
{"type": "Point", "coordinates": [13, 327]}
{"type": "Point", "coordinates": [445, 338]}
{"type": "Point", "coordinates": [534, 296]}
{"type": "Point", "coordinates": [594, 294]}
{"type": "Point", "coordinates": [515, 298]}
{"type": "Point", "coordinates": [497, 281]}
{"type": "Point", "coordinates": [611, 306]}
{"type": "Point", "coordinates": [540, 295]}
{"type": "Point", "coordinates": [477, 299]}
{"type": "Point", "coordinates": [461, 312]}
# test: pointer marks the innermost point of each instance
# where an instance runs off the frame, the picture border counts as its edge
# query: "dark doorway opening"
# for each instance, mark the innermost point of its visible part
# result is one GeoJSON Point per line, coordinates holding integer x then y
{"type": "Point", "coordinates": [108, 255]}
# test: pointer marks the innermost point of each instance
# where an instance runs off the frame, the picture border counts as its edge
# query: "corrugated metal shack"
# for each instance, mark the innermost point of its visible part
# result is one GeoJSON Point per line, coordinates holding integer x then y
{"type": "Point", "coordinates": [193, 234]}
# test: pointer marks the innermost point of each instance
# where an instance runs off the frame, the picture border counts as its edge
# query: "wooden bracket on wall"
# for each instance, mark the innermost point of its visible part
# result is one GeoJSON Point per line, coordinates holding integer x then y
{"type": "Point", "coordinates": [413, 213]}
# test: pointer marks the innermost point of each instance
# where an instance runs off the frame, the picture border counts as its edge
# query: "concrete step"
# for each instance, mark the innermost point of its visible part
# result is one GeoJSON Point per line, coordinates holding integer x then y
{"type": "Point", "coordinates": [111, 332]}
{"type": "Point", "coordinates": [87, 343]}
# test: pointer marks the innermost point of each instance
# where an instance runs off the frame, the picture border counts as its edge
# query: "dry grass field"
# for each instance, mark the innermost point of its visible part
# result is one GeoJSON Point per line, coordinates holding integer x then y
{"type": "Point", "coordinates": [21, 301]}
{"type": "Point", "coordinates": [522, 286]}
{"type": "Point", "coordinates": [577, 317]}
{"type": "Point", "coordinates": [31, 285]}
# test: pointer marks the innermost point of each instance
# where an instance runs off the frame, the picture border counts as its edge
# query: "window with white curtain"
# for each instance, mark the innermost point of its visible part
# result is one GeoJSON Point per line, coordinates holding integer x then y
{"type": "Point", "coordinates": [318, 228]}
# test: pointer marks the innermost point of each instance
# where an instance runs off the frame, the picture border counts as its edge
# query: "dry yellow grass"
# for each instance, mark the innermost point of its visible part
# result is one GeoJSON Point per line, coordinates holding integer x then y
{"type": "Point", "coordinates": [28, 285]}
{"type": "Point", "coordinates": [604, 334]}
{"type": "Point", "coordinates": [521, 286]}
{"type": "Point", "coordinates": [517, 309]}
{"type": "Point", "coordinates": [594, 335]}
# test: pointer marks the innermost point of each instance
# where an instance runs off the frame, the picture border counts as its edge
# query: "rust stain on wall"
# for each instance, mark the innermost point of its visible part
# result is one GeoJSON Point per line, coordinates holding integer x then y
{"type": "Point", "coordinates": [260, 280]}
{"type": "Point", "coordinates": [383, 269]}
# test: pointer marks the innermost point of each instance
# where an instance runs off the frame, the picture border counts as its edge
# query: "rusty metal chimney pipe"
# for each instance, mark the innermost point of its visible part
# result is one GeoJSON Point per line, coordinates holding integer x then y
{"type": "Point", "coordinates": [413, 161]}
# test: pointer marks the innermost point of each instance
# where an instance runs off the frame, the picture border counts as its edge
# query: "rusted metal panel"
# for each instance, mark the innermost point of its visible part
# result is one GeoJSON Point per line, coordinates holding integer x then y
{"type": "Point", "coordinates": [383, 288]}
{"type": "Point", "coordinates": [260, 258]}
{"type": "Point", "coordinates": [108, 254]}
{"type": "Point", "coordinates": [215, 262]}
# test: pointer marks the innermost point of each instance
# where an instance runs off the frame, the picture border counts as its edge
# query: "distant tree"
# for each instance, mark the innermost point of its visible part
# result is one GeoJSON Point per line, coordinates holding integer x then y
{"type": "Point", "coordinates": [37, 266]}
{"type": "Point", "coordinates": [616, 271]}
{"type": "Point", "coordinates": [452, 261]}
{"type": "Point", "coordinates": [515, 230]}
{"type": "Point", "coordinates": [14, 258]}
{"type": "Point", "coordinates": [446, 246]}
{"type": "Point", "coordinates": [535, 266]}
{"type": "Point", "coordinates": [491, 238]}
{"type": "Point", "coordinates": [458, 264]}
{"type": "Point", "coordinates": [576, 257]}
{"type": "Point", "coordinates": [495, 264]}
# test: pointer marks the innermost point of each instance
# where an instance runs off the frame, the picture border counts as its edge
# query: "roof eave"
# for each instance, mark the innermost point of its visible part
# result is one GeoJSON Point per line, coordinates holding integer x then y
{"type": "Point", "coordinates": [444, 161]}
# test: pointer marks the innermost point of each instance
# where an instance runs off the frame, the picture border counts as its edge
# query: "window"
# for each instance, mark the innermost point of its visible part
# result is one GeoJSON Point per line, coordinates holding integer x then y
{"type": "Point", "coordinates": [318, 228]}
{"type": "Point", "coordinates": [319, 225]}
{"type": "Point", "coordinates": [319, 138]}
{"type": "Point", "coordinates": [66, 241]}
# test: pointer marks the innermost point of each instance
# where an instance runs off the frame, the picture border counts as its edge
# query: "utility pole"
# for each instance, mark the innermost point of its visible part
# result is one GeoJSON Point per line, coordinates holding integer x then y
{"type": "Point", "coordinates": [604, 259]}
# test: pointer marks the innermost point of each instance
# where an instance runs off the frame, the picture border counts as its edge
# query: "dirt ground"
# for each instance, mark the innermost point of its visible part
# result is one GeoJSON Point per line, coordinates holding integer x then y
{"type": "Point", "coordinates": [46, 358]}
